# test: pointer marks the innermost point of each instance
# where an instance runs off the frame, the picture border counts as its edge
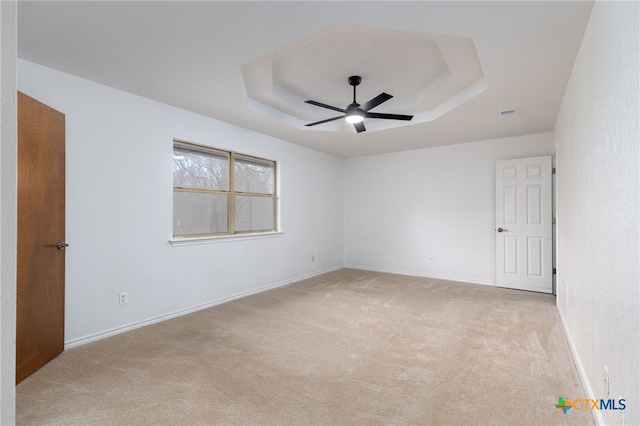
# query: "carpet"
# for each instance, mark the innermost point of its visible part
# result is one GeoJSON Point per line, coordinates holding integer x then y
{"type": "Point", "coordinates": [349, 347]}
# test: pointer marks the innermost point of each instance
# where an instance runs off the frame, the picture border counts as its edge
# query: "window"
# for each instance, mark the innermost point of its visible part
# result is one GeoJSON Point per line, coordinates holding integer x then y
{"type": "Point", "coordinates": [219, 192]}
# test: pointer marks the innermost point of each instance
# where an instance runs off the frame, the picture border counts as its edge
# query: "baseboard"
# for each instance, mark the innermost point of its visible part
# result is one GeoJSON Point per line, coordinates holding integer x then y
{"type": "Point", "coordinates": [421, 274]}
{"type": "Point", "coordinates": [118, 330]}
{"type": "Point", "coordinates": [578, 363]}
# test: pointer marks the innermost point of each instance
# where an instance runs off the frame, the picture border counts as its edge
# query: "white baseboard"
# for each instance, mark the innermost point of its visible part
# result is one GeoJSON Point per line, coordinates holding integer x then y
{"type": "Point", "coordinates": [421, 274]}
{"type": "Point", "coordinates": [578, 363]}
{"type": "Point", "coordinates": [118, 330]}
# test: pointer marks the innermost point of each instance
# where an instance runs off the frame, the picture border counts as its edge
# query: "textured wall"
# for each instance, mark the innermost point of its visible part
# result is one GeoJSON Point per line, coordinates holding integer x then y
{"type": "Point", "coordinates": [8, 159]}
{"type": "Point", "coordinates": [119, 209]}
{"type": "Point", "coordinates": [598, 179]}
{"type": "Point", "coordinates": [402, 209]}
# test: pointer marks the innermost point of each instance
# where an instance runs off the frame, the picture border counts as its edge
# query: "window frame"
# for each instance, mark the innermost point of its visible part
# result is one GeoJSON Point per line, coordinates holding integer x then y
{"type": "Point", "coordinates": [232, 193]}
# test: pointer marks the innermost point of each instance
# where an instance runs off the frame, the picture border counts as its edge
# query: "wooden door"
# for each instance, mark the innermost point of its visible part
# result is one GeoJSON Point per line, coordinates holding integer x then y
{"type": "Point", "coordinates": [523, 224]}
{"type": "Point", "coordinates": [41, 249]}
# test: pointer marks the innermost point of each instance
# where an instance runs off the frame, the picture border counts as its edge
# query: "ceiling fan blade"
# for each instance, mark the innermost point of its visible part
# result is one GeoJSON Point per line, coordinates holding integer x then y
{"type": "Point", "coordinates": [382, 97]}
{"type": "Point", "coordinates": [389, 116]}
{"type": "Point", "coordinates": [324, 121]}
{"type": "Point", "coordinates": [359, 127]}
{"type": "Point", "coordinates": [325, 106]}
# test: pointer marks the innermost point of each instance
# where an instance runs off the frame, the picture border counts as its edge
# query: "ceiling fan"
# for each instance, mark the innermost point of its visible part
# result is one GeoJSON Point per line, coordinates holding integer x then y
{"type": "Point", "coordinates": [355, 113]}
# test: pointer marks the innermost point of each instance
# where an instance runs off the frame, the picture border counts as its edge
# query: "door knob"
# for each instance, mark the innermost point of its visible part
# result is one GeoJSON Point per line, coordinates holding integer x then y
{"type": "Point", "coordinates": [501, 230]}
{"type": "Point", "coordinates": [62, 245]}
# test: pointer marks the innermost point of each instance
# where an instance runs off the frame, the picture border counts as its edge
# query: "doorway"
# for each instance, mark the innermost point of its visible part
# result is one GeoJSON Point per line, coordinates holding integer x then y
{"type": "Point", "coordinates": [41, 231]}
{"type": "Point", "coordinates": [524, 252]}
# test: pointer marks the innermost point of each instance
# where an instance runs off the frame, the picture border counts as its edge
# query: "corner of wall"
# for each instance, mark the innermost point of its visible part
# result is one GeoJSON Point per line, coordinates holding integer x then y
{"type": "Point", "coordinates": [8, 225]}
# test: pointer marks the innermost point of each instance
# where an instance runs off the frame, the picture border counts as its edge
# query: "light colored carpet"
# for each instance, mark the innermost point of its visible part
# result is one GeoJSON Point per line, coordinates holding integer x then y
{"type": "Point", "coordinates": [345, 348]}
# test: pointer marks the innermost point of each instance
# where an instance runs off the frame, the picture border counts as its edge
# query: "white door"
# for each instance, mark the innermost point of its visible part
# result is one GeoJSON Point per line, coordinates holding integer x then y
{"type": "Point", "coordinates": [523, 224]}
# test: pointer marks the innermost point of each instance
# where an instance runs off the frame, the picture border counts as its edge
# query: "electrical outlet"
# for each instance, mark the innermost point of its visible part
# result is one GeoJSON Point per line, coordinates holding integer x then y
{"type": "Point", "coordinates": [313, 258]}
{"type": "Point", "coordinates": [430, 259]}
{"type": "Point", "coordinates": [123, 298]}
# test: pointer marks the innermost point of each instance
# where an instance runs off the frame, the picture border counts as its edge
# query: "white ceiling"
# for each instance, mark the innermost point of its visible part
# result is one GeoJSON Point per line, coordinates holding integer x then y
{"type": "Point", "coordinates": [428, 74]}
{"type": "Point", "coordinates": [191, 55]}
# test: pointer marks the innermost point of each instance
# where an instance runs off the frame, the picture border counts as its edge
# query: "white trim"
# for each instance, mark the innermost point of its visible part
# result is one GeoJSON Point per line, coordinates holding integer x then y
{"type": "Point", "coordinates": [118, 330]}
{"type": "Point", "coordinates": [191, 241]}
{"type": "Point", "coordinates": [421, 274]}
{"type": "Point", "coordinates": [578, 363]}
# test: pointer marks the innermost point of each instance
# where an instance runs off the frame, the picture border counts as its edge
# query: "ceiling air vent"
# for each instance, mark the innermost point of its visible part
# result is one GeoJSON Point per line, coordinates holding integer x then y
{"type": "Point", "coordinates": [509, 112]}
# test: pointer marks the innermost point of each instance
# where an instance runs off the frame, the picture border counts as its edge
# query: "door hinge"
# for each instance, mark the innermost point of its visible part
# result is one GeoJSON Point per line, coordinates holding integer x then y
{"type": "Point", "coordinates": [553, 170]}
{"type": "Point", "coordinates": [553, 221]}
{"type": "Point", "coordinates": [555, 271]}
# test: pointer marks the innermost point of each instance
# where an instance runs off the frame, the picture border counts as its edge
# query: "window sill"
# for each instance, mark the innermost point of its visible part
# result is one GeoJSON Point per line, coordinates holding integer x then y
{"type": "Point", "coordinates": [187, 241]}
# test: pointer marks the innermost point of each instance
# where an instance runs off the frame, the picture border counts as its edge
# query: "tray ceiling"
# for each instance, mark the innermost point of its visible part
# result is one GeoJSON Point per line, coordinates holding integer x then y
{"type": "Point", "coordinates": [454, 65]}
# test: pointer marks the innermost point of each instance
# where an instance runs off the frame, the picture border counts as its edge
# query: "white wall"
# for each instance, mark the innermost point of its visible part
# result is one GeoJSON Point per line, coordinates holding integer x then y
{"type": "Point", "coordinates": [597, 139]}
{"type": "Point", "coordinates": [8, 206]}
{"type": "Point", "coordinates": [119, 209]}
{"type": "Point", "coordinates": [402, 208]}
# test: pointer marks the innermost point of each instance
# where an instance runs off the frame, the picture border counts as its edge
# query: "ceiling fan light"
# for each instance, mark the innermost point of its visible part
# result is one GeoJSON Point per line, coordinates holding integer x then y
{"type": "Point", "coordinates": [354, 118]}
